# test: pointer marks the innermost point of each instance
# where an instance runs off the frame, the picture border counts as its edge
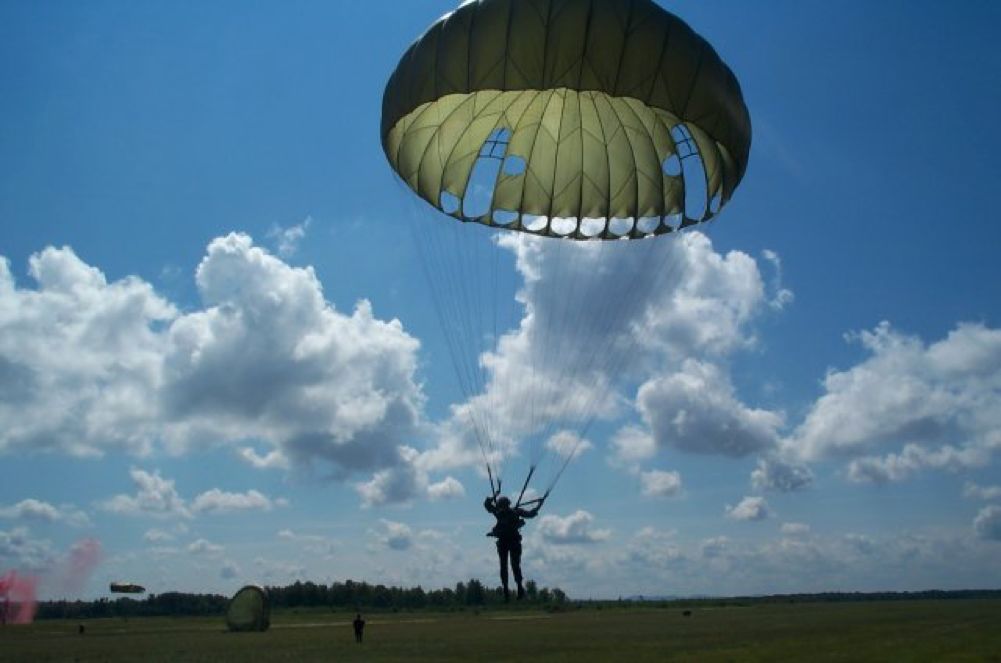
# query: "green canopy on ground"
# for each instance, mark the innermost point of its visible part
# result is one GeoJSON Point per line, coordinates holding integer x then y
{"type": "Point", "coordinates": [249, 610]}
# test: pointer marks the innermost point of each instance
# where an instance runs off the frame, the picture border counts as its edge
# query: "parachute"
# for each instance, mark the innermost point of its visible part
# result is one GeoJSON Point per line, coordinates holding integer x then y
{"type": "Point", "coordinates": [565, 122]}
{"type": "Point", "coordinates": [126, 588]}
{"type": "Point", "coordinates": [249, 610]}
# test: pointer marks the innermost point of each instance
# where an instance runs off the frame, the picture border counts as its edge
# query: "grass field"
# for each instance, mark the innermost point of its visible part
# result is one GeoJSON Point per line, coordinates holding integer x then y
{"type": "Point", "coordinates": [959, 630]}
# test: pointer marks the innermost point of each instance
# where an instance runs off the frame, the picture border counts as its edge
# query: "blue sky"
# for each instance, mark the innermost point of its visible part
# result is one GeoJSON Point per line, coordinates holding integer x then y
{"type": "Point", "coordinates": [167, 169]}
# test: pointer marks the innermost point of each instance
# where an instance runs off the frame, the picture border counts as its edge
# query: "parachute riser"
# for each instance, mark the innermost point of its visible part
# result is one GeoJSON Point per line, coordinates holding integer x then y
{"type": "Point", "coordinates": [494, 489]}
{"type": "Point", "coordinates": [524, 486]}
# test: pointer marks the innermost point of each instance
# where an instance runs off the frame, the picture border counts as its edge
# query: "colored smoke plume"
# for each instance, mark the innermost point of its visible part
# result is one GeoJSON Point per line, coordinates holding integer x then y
{"type": "Point", "coordinates": [18, 593]}
{"type": "Point", "coordinates": [17, 598]}
{"type": "Point", "coordinates": [72, 574]}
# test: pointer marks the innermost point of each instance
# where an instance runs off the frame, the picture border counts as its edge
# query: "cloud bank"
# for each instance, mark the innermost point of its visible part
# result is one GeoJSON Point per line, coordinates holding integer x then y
{"type": "Point", "coordinates": [89, 366]}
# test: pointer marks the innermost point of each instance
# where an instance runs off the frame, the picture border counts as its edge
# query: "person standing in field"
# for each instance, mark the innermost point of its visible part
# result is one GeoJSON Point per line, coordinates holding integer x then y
{"type": "Point", "coordinates": [359, 626]}
{"type": "Point", "coordinates": [509, 522]}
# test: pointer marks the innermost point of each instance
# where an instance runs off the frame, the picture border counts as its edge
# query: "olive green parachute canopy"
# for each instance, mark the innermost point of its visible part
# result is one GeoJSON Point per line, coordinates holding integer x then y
{"type": "Point", "coordinates": [249, 610]}
{"type": "Point", "coordinates": [587, 108]}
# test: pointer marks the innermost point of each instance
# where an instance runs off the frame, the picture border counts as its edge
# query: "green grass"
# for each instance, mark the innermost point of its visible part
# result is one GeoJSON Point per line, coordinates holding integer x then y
{"type": "Point", "coordinates": [959, 630]}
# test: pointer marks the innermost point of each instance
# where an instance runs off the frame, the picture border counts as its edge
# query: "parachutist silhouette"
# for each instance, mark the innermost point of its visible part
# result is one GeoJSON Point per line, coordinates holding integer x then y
{"type": "Point", "coordinates": [359, 627]}
{"type": "Point", "coordinates": [509, 521]}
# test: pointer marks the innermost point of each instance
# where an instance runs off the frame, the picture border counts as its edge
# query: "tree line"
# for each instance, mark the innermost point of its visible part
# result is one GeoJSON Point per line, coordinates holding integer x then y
{"type": "Point", "coordinates": [348, 595]}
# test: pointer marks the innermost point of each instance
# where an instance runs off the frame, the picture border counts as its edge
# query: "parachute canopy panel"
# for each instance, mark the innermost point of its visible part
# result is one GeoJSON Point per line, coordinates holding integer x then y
{"type": "Point", "coordinates": [249, 610]}
{"type": "Point", "coordinates": [579, 103]}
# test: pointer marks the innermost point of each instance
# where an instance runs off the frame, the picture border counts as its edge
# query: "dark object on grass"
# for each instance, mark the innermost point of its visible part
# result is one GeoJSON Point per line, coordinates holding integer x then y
{"type": "Point", "coordinates": [249, 610]}
{"type": "Point", "coordinates": [359, 627]}
{"type": "Point", "coordinates": [687, 613]}
{"type": "Point", "coordinates": [80, 629]}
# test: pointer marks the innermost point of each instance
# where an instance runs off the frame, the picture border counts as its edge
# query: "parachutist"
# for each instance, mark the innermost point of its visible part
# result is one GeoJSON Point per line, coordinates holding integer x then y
{"type": "Point", "coordinates": [359, 626]}
{"type": "Point", "coordinates": [506, 530]}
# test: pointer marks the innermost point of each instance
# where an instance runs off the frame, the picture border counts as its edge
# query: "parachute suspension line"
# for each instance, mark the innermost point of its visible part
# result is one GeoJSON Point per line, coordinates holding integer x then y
{"type": "Point", "coordinates": [452, 261]}
{"type": "Point", "coordinates": [470, 285]}
{"type": "Point", "coordinates": [571, 381]}
{"type": "Point", "coordinates": [439, 273]}
{"type": "Point", "coordinates": [544, 375]}
{"type": "Point", "coordinates": [465, 255]}
{"type": "Point", "coordinates": [664, 272]}
{"type": "Point", "coordinates": [648, 279]}
{"type": "Point", "coordinates": [606, 359]}
{"type": "Point", "coordinates": [559, 369]}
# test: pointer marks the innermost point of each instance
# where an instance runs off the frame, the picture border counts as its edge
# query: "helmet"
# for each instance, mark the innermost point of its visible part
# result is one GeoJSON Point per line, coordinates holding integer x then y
{"type": "Point", "coordinates": [503, 502]}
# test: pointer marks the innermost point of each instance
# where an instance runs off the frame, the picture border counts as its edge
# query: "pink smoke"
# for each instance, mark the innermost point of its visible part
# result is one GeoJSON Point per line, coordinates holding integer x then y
{"type": "Point", "coordinates": [72, 575]}
{"type": "Point", "coordinates": [83, 558]}
{"type": "Point", "coordinates": [17, 598]}
{"type": "Point", "coordinates": [18, 593]}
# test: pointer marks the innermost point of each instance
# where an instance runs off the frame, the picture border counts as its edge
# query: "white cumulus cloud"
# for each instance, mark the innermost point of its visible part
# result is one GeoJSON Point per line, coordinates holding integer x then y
{"type": "Point", "coordinates": [154, 496]}
{"type": "Point", "coordinates": [696, 410]}
{"type": "Point", "coordinates": [632, 445]}
{"type": "Point", "coordinates": [157, 536]}
{"type": "Point", "coordinates": [651, 547]}
{"type": "Point", "coordinates": [203, 547]}
{"type": "Point", "coordinates": [749, 509]}
{"type": "Point", "coordinates": [567, 443]}
{"type": "Point", "coordinates": [448, 488]}
{"type": "Point", "coordinates": [394, 485]}
{"type": "Point", "coordinates": [912, 459]}
{"type": "Point", "coordinates": [977, 492]}
{"type": "Point", "coordinates": [32, 510]}
{"type": "Point", "coordinates": [273, 459]}
{"type": "Point", "coordinates": [218, 501]}
{"type": "Point", "coordinates": [393, 535]}
{"type": "Point", "coordinates": [574, 528]}
{"type": "Point", "coordinates": [776, 474]}
{"type": "Point", "coordinates": [287, 240]}
{"type": "Point", "coordinates": [684, 300]}
{"type": "Point", "coordinates": [88, 366]}
{"type": "Point", "coordinates": [19, 550]}
{"type": "Point", "coordinates": [795, 529]}
{"type": "Point", "coordinates": [909, 405]}
{"type": "Point", "coordinates": [658, 483]}
{"type": "Point", "coordinates": [987, 524]}
{"type": "Point", "coordinates": [80, 358]}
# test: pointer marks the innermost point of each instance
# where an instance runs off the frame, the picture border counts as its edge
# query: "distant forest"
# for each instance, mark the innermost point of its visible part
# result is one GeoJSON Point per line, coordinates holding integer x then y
{"type": "Point", "coordinates": [349, 595]}
{"type": "Point", "coordinates": [361, 596]}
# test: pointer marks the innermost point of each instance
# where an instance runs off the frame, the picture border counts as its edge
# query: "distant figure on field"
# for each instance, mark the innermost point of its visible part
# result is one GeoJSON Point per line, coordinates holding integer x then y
{"type": "Point", "coordinates": [509, 521]}
{"type": "Point", "coordinates": [359, 626]}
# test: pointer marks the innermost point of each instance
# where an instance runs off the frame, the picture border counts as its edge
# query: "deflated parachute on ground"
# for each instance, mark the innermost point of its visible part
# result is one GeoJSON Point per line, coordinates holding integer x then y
{"type": "Point", "coordinates": [249, 610]}
{"type": "Point", "coordinates": [588, 107]}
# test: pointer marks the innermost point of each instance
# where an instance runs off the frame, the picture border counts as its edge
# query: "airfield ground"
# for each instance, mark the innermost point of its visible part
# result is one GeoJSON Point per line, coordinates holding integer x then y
{"type": "Point", "coordinates": [955, 630]}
